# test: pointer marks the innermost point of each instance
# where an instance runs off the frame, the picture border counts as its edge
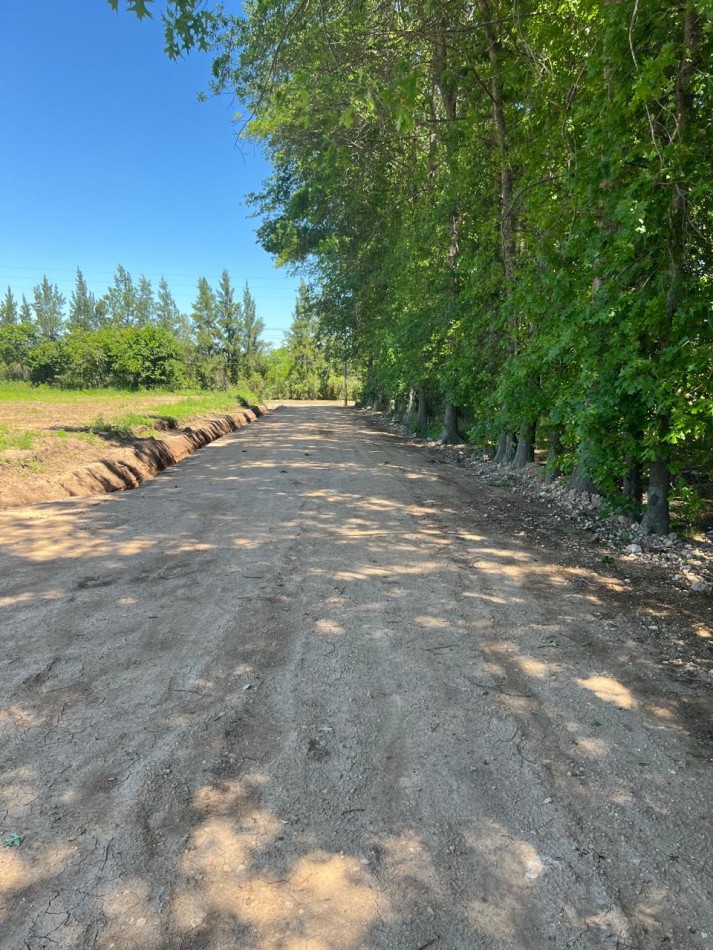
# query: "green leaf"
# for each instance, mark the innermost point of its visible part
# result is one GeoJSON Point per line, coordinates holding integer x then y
{"type": "Point", "coordinates": [140, 8]}
{"type": "Point", "coordinates": [13, 841]}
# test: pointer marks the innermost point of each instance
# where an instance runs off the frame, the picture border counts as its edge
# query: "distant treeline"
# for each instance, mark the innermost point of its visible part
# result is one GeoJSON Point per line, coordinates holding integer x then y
{"type": "Point", "coordinates": [132, 337]}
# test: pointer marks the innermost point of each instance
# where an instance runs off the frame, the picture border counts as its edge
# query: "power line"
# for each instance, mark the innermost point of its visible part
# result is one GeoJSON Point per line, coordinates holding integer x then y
{"type": "Point", "coordinates": [101, 274]}
{"type": "Point", "coordinates": [28, 287]}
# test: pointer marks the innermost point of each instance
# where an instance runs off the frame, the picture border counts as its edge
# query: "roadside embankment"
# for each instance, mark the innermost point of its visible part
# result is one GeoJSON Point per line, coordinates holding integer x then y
{"type": "Point", "coordinates": [127, 466]}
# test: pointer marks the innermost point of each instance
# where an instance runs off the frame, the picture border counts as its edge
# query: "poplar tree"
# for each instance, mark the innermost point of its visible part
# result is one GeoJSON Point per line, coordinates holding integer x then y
{"type": "Point", "coordinates": [145, 309]}
{"type": "Point", "coordinates": [82, 306]}
{"type": "Point", "coordinates": [49, 309]}
{"type": "Point", "coordinates": [168, 315]}
{"type": "Point", "coordinates": [307, 364]}
{"type": "Point", "coordinates": [8, 309]}
{"type": "Point", "coordinates": [229, 322]}
{"type": "Point", "coordinates": [121, 299]}
{"type": "Point", "coordinates": [25, 312]}
{"type": "Point", "coordinates": [210, 361]}
{"type": "Point", "coordinates": [252, 328]}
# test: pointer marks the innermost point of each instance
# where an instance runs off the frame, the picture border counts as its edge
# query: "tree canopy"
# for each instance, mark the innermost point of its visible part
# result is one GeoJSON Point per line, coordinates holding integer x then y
{"type": "Point", "coordinates": [504, 208]}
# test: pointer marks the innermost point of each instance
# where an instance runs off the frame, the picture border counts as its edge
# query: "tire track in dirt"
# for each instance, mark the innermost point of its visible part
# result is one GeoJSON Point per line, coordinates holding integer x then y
{"type": "Point", "coordinates": [304, 691]}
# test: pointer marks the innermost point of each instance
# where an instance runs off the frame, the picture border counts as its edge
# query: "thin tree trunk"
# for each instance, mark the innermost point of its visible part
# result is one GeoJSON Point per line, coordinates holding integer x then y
{"type": "Point", "coordinates": [409, 415]}
{"type": "Point", "coordinates": [581, 478]}
{"type": "Point", "coordinates": [525, 452]}
{"type": "Point", "coordinates": [507, 211]}
{"type": "Point", "coordinates": [506, 444]}
{"type": "Point", "coordinates": [450, 434]}
{"type": "Point", "coordinates": [656, 516]}
{"type": "Point", "coordinates": [633, 488]}
{"type": "Point", "coordinates": [554, 452]}
{"type": "Point", "coordinates": [422, 415]}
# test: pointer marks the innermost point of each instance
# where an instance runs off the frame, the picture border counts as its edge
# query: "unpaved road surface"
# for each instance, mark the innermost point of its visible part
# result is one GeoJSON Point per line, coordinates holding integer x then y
{"type": "Point", "coordinates": [309, 690]}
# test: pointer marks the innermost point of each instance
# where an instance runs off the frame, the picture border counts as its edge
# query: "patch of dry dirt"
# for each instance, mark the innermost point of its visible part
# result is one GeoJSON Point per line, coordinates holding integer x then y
{"type": "Point", "coordinates": [76, 413]}
{"type": "Point", "coordinates": [676, 612]}
{"type": "Point", "coordinates": [77, 466]}
{"type": "Point", "coordinates": [312, 689]}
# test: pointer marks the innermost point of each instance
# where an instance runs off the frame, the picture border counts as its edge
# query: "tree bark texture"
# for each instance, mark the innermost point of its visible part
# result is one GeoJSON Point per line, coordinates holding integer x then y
{"type": "Point", "coordinates": [422, 414]}
{"type": "Point", "coordinates": [656, 516]}
{"type": "Point", "coordinates": [410, 413]}
{"type": "Point", "coordinates": [525, 452]}
{"type": "Point", "coordinates": [506, 449]}
{"type": "Point", "coordinates": [633, 487]}
{"type": "Point", "coordinates": [581, 479]}
{"type": "Point", "coordinates": [450, 434]}
{"type": "Point", "coordinates": [554, 453]}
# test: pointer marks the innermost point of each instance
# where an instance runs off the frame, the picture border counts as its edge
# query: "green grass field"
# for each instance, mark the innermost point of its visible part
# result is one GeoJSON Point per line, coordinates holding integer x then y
{"type": "Point", "coordinates": [26, 410]}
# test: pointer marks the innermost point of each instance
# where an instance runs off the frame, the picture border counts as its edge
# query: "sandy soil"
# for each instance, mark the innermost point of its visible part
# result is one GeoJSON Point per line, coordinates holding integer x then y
{"type": "Point", "coordinates": [40, 473]}
{"type": "Point", "coordinates": [81, 464]}
{"type": "Point", "coordinates": [310, 690]}
{"type": "Point", "coordinates": [26, 474]}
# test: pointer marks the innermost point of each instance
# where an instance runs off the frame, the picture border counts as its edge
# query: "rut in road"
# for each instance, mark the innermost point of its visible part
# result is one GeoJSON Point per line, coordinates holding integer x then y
{"type": "Point", "coordinates": [308, 690]}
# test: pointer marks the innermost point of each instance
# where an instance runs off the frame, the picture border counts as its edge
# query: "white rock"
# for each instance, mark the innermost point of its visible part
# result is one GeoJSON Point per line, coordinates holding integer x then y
{"type": "Point", "coordinates": [633, 549]}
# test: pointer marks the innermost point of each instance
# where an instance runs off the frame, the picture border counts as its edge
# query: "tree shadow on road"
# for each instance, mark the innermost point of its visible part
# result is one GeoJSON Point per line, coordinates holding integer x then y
{"type": "Point", "coordinates": [325, 708]}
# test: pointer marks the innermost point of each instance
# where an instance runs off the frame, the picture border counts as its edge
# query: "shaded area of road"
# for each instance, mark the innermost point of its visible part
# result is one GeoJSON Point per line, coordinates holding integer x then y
{"type": "Point", "coordinates": [309, 691]}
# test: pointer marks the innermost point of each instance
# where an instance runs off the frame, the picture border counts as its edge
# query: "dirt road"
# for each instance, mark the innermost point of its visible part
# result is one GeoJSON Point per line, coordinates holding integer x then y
{"type": "Point", "coordinates": [310, 690]}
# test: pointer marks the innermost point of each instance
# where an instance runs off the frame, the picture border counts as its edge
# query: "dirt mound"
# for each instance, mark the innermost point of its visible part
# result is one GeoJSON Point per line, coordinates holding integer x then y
{"type": "Point", "coordinates": [128, 466]}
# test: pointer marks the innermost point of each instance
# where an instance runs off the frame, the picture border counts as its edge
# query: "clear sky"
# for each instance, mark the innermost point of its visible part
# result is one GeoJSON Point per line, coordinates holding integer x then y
{"type": "Point", "coordinates": [107, 157]}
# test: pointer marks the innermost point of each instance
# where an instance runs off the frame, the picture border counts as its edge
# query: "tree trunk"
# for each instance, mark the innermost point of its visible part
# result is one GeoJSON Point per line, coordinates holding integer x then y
{"type": "Point", "coordinates": [506, 444]}
{"type": "Point", "coordinates": [422, 415]}
{"type": "Point", "coordinates": [525, 452]}
{"type": "Point", "coordinates": [410, 414]}
{"type": "Point", "coordinates": [633, 488]}
{"type": "Point", "coordinates": [506, 449]}
{"type": "Point", "coordinates": [507, 210]}
{"type": "Point", "coordinates": [450, 434]}
{"type": "Point", "coordinates": [581, 479]}
{"type": "Point", "coordinates": [656, 516]}
{"type": "Point", "coordinates": [554, 451]}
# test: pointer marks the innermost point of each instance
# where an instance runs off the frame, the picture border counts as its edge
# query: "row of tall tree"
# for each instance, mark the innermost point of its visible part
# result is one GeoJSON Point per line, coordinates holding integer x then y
{"type": "Point", "coordinates": [125, 304]}
{"type": "Point", "coordinates": [129, 339]}
{"type": "Point", "coordinates": [505, 209]}
{"type": "Point", "coordinates": [217, 344]}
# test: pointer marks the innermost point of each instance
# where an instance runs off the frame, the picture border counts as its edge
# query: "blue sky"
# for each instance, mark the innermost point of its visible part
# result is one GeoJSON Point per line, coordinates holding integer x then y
{"type": "Point", "coordinates": [107, 157]}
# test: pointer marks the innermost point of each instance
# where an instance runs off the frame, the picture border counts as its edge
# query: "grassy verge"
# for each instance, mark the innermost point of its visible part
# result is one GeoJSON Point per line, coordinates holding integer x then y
{"type": "Point", "coordinates": [170, 415]}
{"type": "Point", "coordinates": [107, 413]}
{"type": "Point", "coordinates": [184, 401]}
{"type": "Point", "coordinates": [14, 439]}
